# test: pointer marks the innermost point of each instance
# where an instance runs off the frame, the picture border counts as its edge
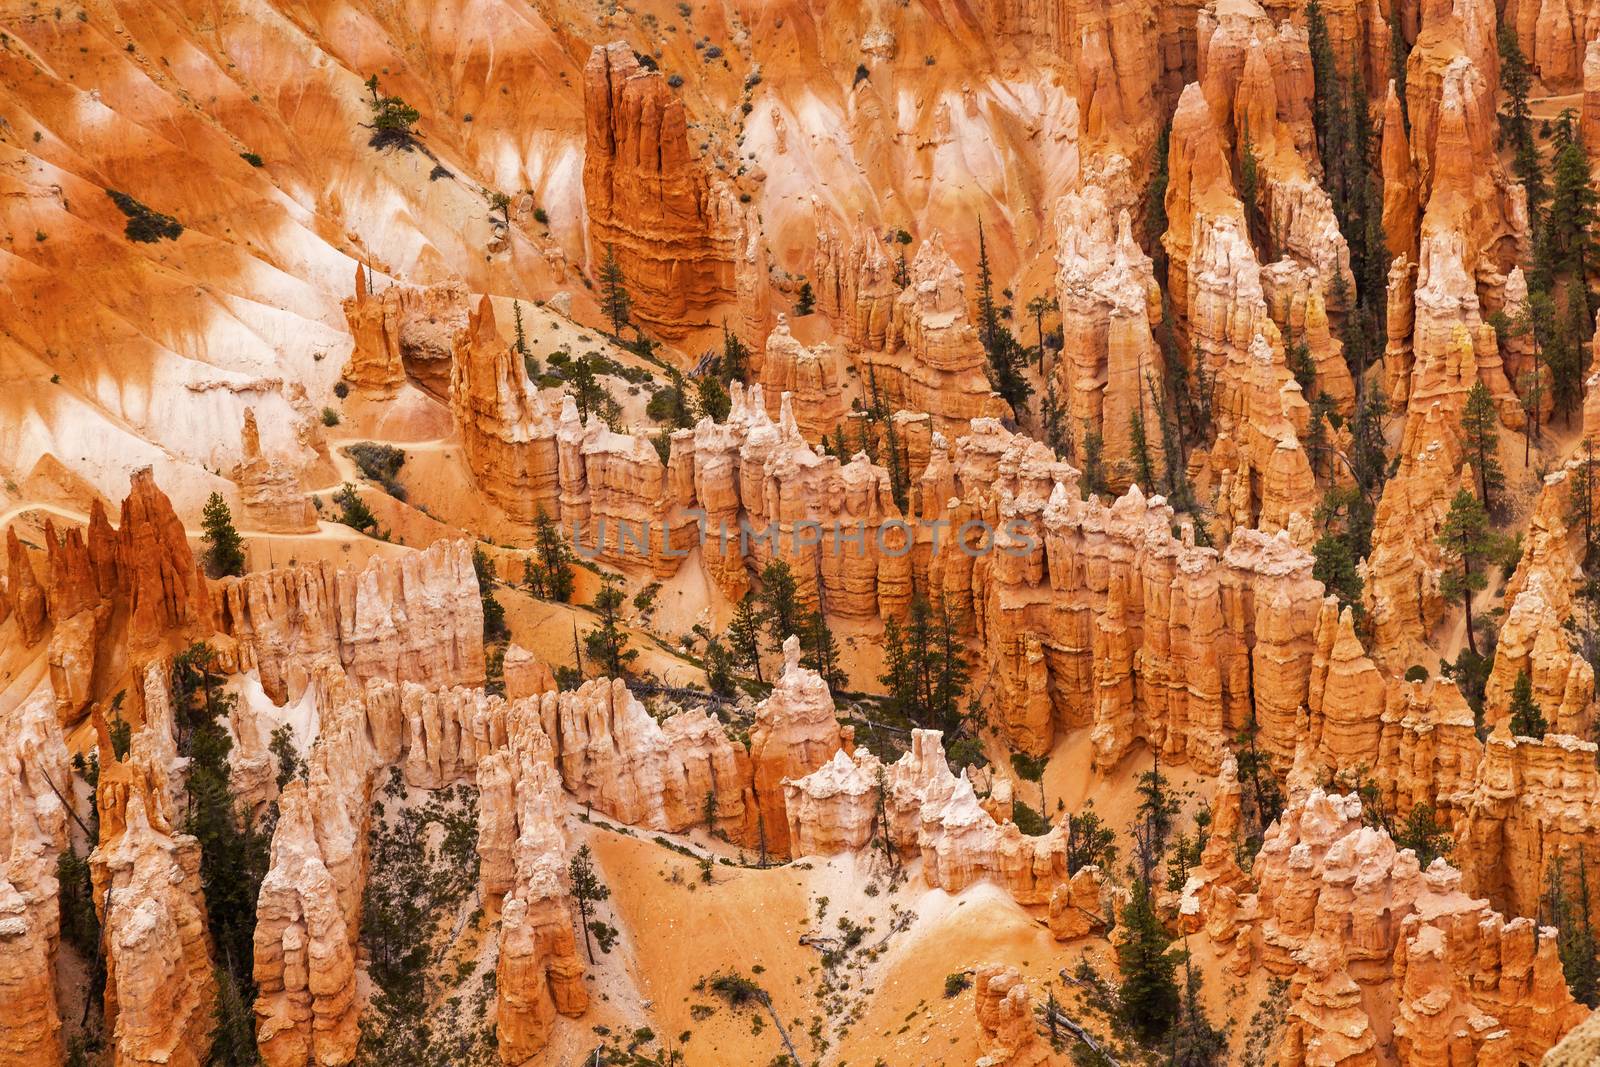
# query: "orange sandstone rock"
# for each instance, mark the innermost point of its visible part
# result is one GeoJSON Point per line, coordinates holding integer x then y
{"type": "Point", "coordinates": [670, 222]}
{"type": "Point", "coordinates": [33, 828]}
{"type": "Point", "coordinates": [1005, 1019]}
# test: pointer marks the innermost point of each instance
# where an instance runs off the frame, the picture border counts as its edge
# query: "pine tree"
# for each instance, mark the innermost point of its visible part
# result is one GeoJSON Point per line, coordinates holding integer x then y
{"type": "Point", "coordinates": [392, 120]}
{"type": "Point", "coordinates": [1399, 51]}
{"type": "Point", "coordinates": [225, 554]}
{"type": "Point", "coordinates": [1480, 432]}
{"type": "Point", "coordinates": [806, 302]}
{"type": "Point", "coordinates": [614, 299]}
{"type": "Point", "coordinates": [1575, 938]}
{"type": "Point", "coordinates": [1141, 453]}
{"type": "Point", "coordinates": [1004, 353]}
{"type": "Point", "coordinates": [1155, 203]}
{"type": "Point", "coordinates": [233, 1031]}
{"type": "Point", "coordinates": [548, 573]}
{"type": "Point", "coordinates": [1148, 994]}
{"type": "Point", "coordinates": [1335, 567]}
{"type": "Point", "coordinates": [1580, 512]}
{"type": "Point", "coordinates": [607, 642]}
{"type": "Point", "coordinates": [1573, 201]}
{"type": "Point", "coordinates": [233, 853]}
{"type": "Point", "coordinates": [744, 633]}
{"type": "Point", "coordinates": [1053, 420]}
{"type": "Point", "coordinates": [950, 670]}
{"type": "Point", "coordinates": [734, 365]}
{"type": "Point", "coordinates": [1039, 307]}
{"type": "Point", "coordinates": [1265, 797]}
{"type": "Point", "coordinates": [780, 600]}
{"type": "Point", "coordinates": [1090, 841]}
{"type": "Point", "coordinates": [494, 615]}
{"type": "Point", "coordinates": [1425, 835]}
{"type": "Point", "coordinates": [353, 511]}
{"type": "Point", "coordinates": [1250, 187]}
{"type": "Point", "coordinates": [719, 675]}
{"type": "Point", "coordinates": [715, 404]}
{"type": "Point", "coordinates": [1194, 1042]}
{"type": "Point", "coordinates": [1468, 545]}
{"type": "Point", "coordinates": [821, 651]}
{"type": "Point", "coordinates": [1093, 482]}
{"type": "Point", "coordinates": [1578, 944]}
{"type": "Point", "coordinates": [925, 665]}
{"type": "Point", "coordinates": [1527, 720]}
{"type": "Point", "coordinates": [521, 342]}
{"type": "Point", "coordinates": [587, 889]}
{"type": "Point", "coordinates": [1515, 82]}
{"type": "Point", "coordinates": [1566, 354]}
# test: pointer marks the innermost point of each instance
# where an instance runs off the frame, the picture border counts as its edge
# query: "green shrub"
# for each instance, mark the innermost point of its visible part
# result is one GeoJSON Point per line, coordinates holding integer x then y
{"type": "Point", "coordinates": [145, 224]}
{"type": "Point", "coordinates": [380, 463]}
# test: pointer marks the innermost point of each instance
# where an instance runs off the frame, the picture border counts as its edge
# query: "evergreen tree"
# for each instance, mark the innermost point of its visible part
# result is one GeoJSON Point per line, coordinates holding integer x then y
{"type": "Point", "coordinates": [1517, 124]}
{"type": "Point", "coordinates": [1148, 993]}
{"type": "Point", "coordinates": [734, 365]}
{"type": "Point", "coordinates": [392, 120]}
{"type": "Point", "coordinates": [1250, 187]}
{"type": "Point", "coordinates": [821, 652]}
{"type": "Point", "coordinates": [719, 675]}
{"type": "Point", "coordinates": [1093, 482]}
{"type": "Point", "coordinates": [1141, 453]}
{"type": "Point", "coordinates": [1155, 202]}
{"type": "Point", "coordinates": [1480, 432]}
{"type": "Point", "coordinates": [1526, 718]}
{"type": "Point", "coordinates": [1006, 356]}
{"type": "Point", "coordinates": [806, 302]}
{"type": "Point", "coordinates": [670, 405]}
{"type": "Point", "coordinates": [1302, 367]}
{"type": "Point", "coordinates": [353, 511]}
{"type": "Point", "coordinates": [587, 889]}
{"type": "Point", "coordinates": [1172, 458]}
{"type": "Point", "coordinates": [1580, 511]}
{"type": "Point", "coordinates": [1053, 419]}
{"type": "Point", "coordinates": [1039, 307]}
{"type": "Point", "coordinates": [744, 633]}
{"type": "Point", "coordinates": [1468, 545]}
{"type": "Point", "coordinates": [1572, 202]}
{"type": "Point", "coordinates": [1425, 835]}
{"type": "Point", "coordinates": [925, 666]}
{"type": "Point", "coordinates": [233, 1031]}
{"type": "Point", "coordinates": [607, 642]}
{"type": "Point", "coordinates": [715, 403]}
{"type": "Point", "coordinates": [1399, 51]}
{"type": "Point", "coordinates": [587, 392]}
{"type": "Point", "coordinates": [225, 551]}
{"type": "Point", "coordinates": [949, 669]}
{"type": "Point", "coordinates": [1090, 841]}
{"type": "Point", "coordinates": [1369, 464]}
{"type": "Point", "coordinates": [233, 853]}
{"type": "Point", "coordinates": [1565, 356]}
{"type": "Point", "coordinates": [1193, 1041]}
{"type": "Point", "coordinates": [494, 615]}
{"type": "Point", "coordinates": [1575, 937]}
{"type": "Point", "coordinates": [614, 299]}
{"type": "Point", "coordinates": [1157, 809]}
{"type": "Point", "coordinates": [1264, 800]}
{"type": "Point", "coordinates": [521, 342]}
{"type": "Point", "coordinates": [780, 601]}
{"type": "Point", "coordinates": [548, 572]}
{"type": "Point", "coordinates": [1335, 567]}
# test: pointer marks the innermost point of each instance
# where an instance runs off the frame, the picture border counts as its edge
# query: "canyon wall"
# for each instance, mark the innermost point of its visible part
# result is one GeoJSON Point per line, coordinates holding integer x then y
{"type": "Point", "coordinates": [671, 223]}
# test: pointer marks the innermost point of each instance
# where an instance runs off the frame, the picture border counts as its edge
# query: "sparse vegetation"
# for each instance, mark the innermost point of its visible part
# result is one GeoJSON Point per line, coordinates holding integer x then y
{"type": "Point", "coordinates": [145, 224]}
